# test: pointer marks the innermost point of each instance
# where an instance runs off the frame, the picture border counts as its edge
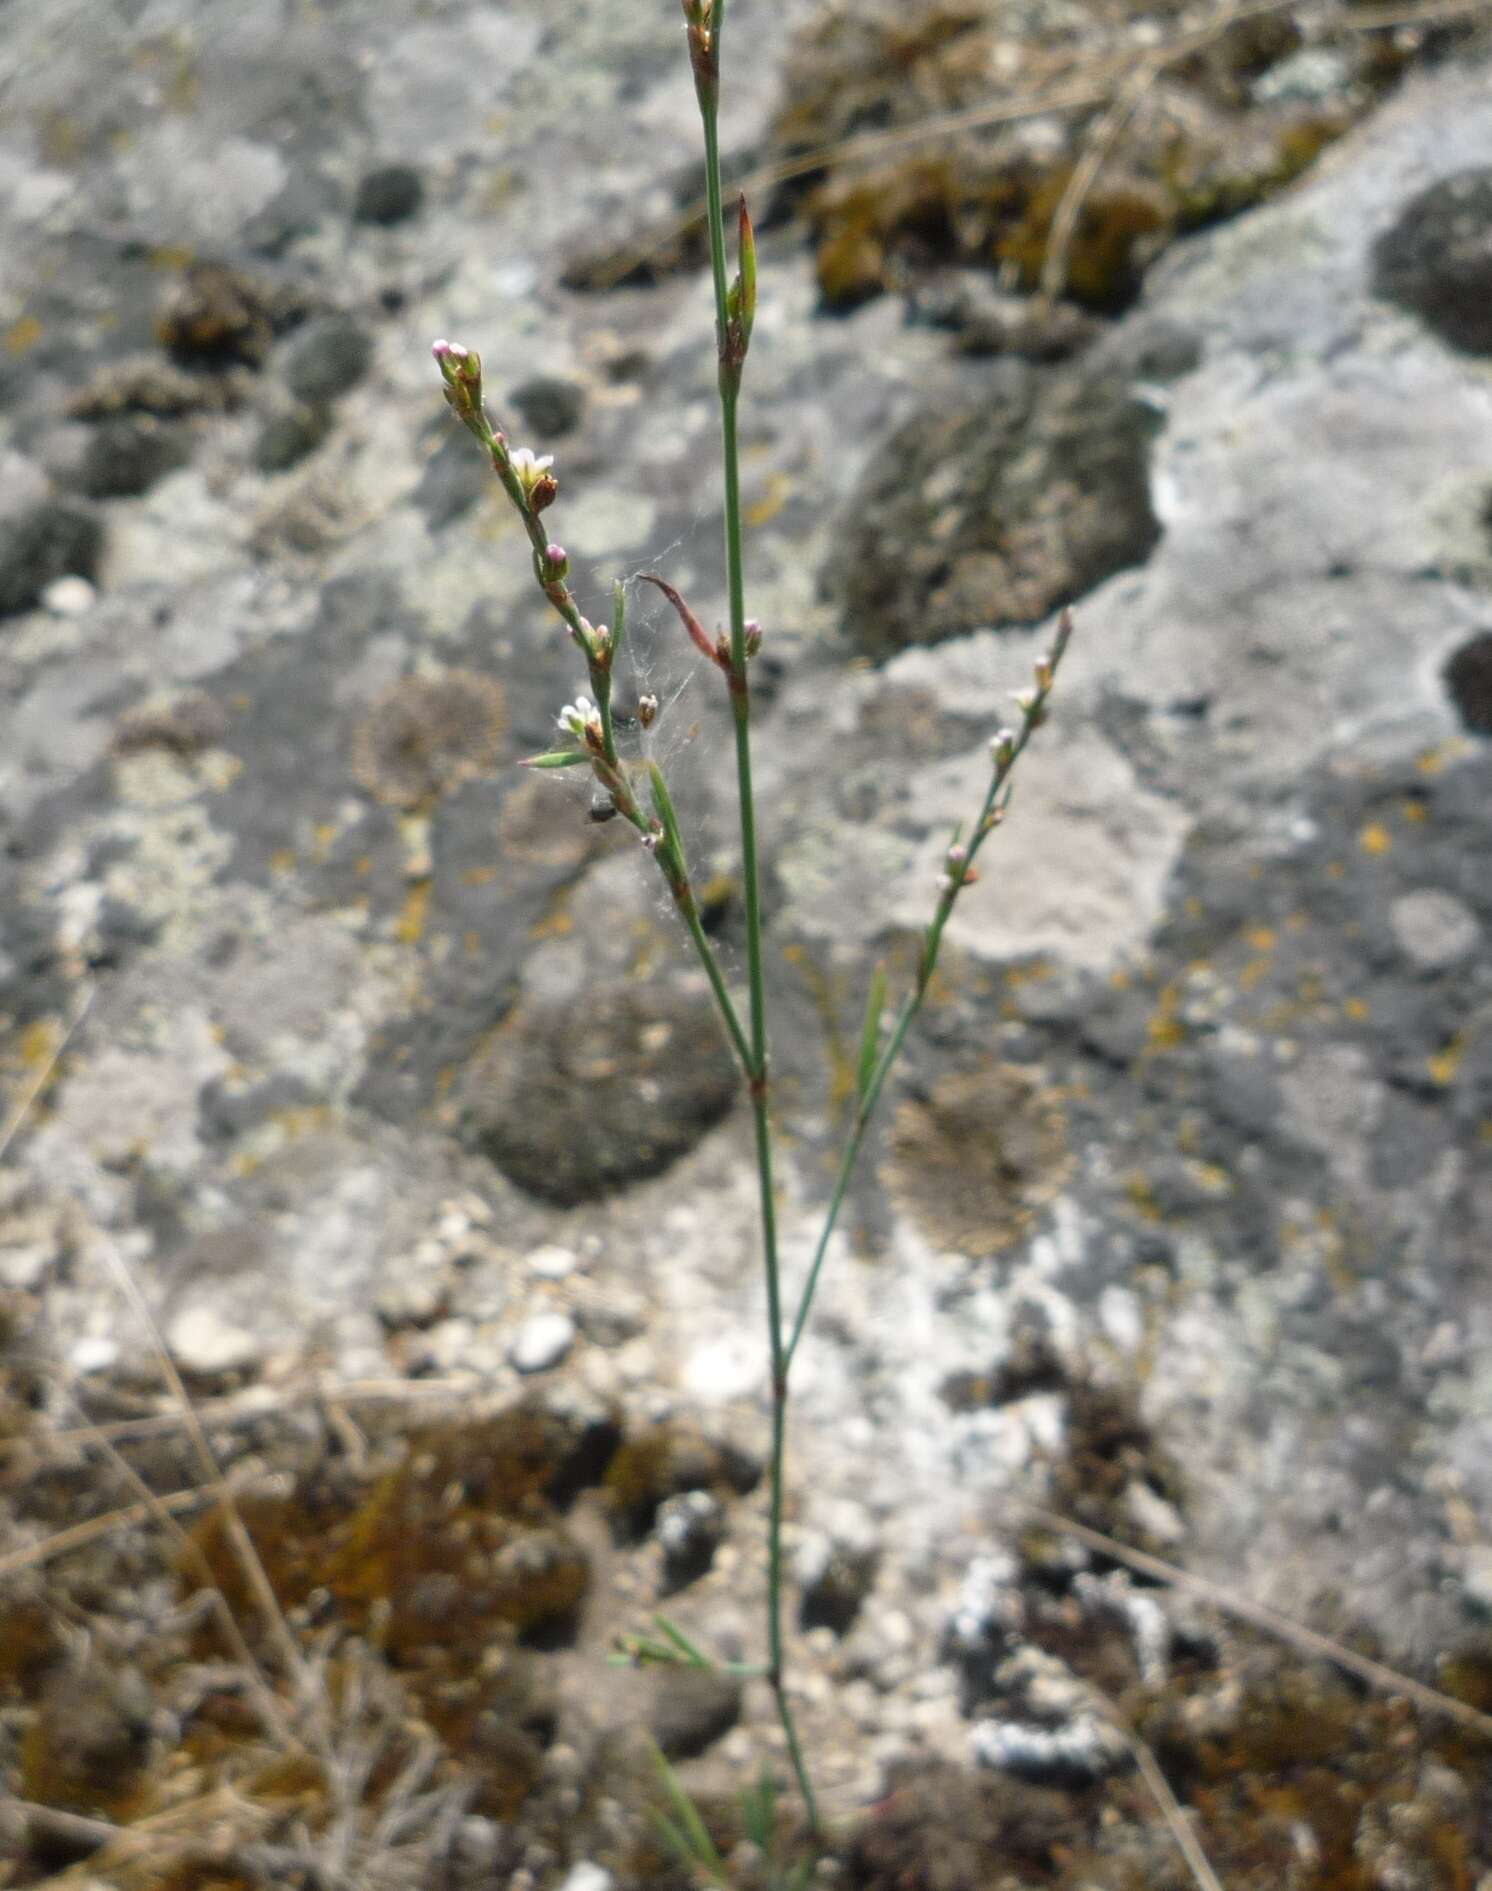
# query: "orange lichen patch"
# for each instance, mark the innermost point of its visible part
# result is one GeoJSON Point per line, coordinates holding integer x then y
{"type": "Point", "coordinates": [1415, 810]}
{"type": "Point", "coordinates": [1375, 838]}
{"type": "Point", "coordinates": [22, 335]}
{"type": "Point", "coordinates": [1261, 938]}
{"type": "Point", "coordinates": [779, 488]}
{"type": "Point", "coordinates": [1254, 974]}
{"type": "Point", "coordinates": [1357, 1009]}
{"type": "Point", "coordinates": [409, 928]}
{"type": "Point", "coordinates": [1141, 1196]}
{"type": "Point", "coordinates": [1443, 1064]}
{"type": "Point", "coordinates": [1166, 1031]}
{"type": "Point", "coordinates": [282, 861]}
{"type": "Point", "coordinates": [554, 925]}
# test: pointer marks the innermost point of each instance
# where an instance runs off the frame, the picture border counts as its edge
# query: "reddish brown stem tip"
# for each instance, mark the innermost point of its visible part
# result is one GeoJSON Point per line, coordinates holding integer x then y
{"type": "Point", "coordinates": [690, 622]}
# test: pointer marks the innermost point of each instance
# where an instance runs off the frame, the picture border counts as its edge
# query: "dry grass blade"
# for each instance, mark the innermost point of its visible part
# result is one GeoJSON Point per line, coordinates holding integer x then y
{"type": "Point", "coordinates": [246, 1408]}
{"type": "Point", "coordinates": [1377, 1675]}
{"type": "Point", "coordinates": [1171, 1809]}
{"type": "Point", "coordinates": [243, 1548]}
{"type": "Point", "coordinates": [78, 1535]}
{"type": "Point", "coordinates": [270, 1711]}
{"type": "Point", "coordinates": [1103, 135]}
{"type": "Point", "coordinates": [217, 1822]}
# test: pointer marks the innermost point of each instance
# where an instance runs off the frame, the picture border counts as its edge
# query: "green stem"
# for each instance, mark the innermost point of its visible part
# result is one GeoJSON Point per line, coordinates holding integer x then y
{"type": "Point", "coordinates": [751, 876]}
{"type": "Point", "coordinates": [716, 977]}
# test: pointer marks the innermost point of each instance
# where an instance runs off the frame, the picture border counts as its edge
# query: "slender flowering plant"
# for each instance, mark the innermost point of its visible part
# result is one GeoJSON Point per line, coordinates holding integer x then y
{"type": "Point", "coordinates": [639, 795]}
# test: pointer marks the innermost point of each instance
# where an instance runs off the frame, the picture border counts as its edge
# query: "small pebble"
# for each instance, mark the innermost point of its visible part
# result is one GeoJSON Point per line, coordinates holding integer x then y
{"type": "Point", "coordinates": [70, 596]}
{"type": "Point", "coordinates": [588, 1877]}
{"type": "Point", "coordinates": [201, 1340]}
{"type": "Point", "coordinates": [552, 1263]}
{"type": "Point", "coordinates": [542, 1342]}
{"type": "Point", "coordinates": [94, 1354]}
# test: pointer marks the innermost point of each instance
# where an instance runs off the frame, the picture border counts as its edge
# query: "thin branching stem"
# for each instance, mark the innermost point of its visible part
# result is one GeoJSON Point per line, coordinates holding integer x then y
{"type": "Point", "coordinates": [730, 378]}
{"type": "Point", "coordinates": [985, 823]}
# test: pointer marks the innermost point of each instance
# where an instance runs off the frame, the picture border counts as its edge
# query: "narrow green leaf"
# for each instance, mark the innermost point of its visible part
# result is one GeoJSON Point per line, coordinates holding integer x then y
{"type": "Point", "coordinates": [663, 807]}
{"type": "Point", "coordinates": [870, 1031]}
{"type": "Point", "coordinates": [694, 1656]}
{"type": "Point", "coordinates": [674, 1839]}
{"type": "Point", "coordinates": [557, 758]}
{"type": "Point", "coordinates": [702, 1846]}
{"type": "Point", "coordinates": [759, 1813]}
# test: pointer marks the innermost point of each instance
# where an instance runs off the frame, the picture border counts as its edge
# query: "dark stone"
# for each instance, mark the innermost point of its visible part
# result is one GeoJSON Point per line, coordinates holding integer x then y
{"type": "Point", "coordinates": [127, 456]}
{"type": "Point", "coordinates": [1468, 678]}
{"type": "Point", "coordinates": [692, 1709]}
{"type": "Point", "coordinates": [840, 1580]}
{"type": "Point", "coordinates": [214, 317]}
{"type": "Point", "coordinates": [1436, 260]}
{"type": "Point", "coordinates": [389, 195]}
{"type": "Point", "coordinates": [576, 1100]}
{"type": "Point", "coordinates": [286, 438]}
{"type": "Point", "coordinates": [998, 516]}
{"type": "Point", "coordinates": [549, 405]}
{"type": "Point", "coordinates": [51, 539]}
{"type": "Point", "coordinates": [690, 1527]}
{"type": "Point", "coordinates": [329, 359]}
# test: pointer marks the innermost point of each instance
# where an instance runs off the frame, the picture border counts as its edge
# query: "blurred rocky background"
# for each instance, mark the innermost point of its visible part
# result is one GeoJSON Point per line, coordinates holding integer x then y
{"type": "Point", "coordinates": [385, 1075]}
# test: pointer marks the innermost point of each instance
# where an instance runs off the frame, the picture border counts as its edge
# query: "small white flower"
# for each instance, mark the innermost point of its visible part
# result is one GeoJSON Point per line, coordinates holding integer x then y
{"type": "Point", "coordinates": [575, 718]}
{"type": "Point", "coordinates": [530, 466]}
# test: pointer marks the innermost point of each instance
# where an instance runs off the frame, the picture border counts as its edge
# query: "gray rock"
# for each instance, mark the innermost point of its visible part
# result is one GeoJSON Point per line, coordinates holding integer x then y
{"type": "Point", "coordinates": [1436, 260]}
